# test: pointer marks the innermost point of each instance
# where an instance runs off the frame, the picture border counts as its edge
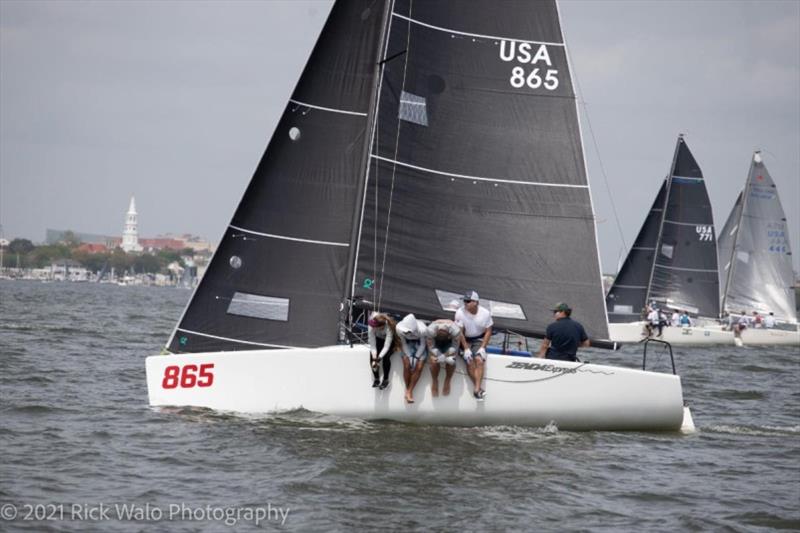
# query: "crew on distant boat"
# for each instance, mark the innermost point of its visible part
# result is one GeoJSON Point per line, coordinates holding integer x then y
{"type": "Point", "coordinates": [742, 324]}
{"type": "Point", "coordinates": [444, 338]}
{"type": "Point", "coordinates": [758, 321]}
{"type": "Point", "coordinates": [381, 336]}
{"type": "Point", "coordinates": [476, 323]}
{"type": "Point", "coordinates": [563, 337]}
{"type": "Point", "coordinates": [675, 319]}
{"type": "Point", "coordinates": [685, 320]}
{"type": "Point", "coordinates": [413, 343]}
{"type": "Point", "coordinates": [655, 319]}
{"type": "Point", "coordinates": [769, 320]}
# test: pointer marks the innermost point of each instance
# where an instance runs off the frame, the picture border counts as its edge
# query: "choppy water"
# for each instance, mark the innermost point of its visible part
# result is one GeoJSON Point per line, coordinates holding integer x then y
{"type": "Point", "coordinates": [76, 432]}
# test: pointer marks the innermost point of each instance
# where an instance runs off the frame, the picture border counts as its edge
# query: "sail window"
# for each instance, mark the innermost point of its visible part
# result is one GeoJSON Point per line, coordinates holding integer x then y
{"type": "Point", "coordinates": [255, 306]}
{"type": "Point", "coordinates": [235, 261]}
{"type": "Point", "coordinates": [744, 257]}
{"type": "Point", "coordinates": [413, 109]}
{"type": "Point", "coordinates": [451, 301]}
{"type": "Point", "coordinates": [623, 309]}
{"type": "Point", "coordinates": [667, 249]}
{"type": "Point", "coordinates": [294, 133]}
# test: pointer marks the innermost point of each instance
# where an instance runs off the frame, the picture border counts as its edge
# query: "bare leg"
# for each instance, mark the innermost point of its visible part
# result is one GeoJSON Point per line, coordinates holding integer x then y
{"type": "Point", "coordinates": [448, 373]}
{"type": "Point", "coordinates": [478, 372]}
{"type": "Point", "coordinates": [406, 371]}
{"type": "Point", "coordinates": [434, 378]}
{"type": "Point", "coordinates": [415, 375]}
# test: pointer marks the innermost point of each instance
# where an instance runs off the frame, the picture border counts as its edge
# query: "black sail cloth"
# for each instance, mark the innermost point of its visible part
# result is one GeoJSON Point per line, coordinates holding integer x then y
{"type": "Point", "coordinates": [677, 269]}
{"type": "Point", "coordinates": [429, 148]}
{"type": "Point", "coordinates": [477, 179]}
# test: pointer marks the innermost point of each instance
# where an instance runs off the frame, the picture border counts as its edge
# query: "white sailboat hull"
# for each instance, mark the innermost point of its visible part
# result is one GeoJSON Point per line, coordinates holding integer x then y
{"type": "Point", "coordinates": [337, 380]}
{"type": "Point", "coordinates": [764, 337]}
{"type": "Point", "coordinates": [631, 332]}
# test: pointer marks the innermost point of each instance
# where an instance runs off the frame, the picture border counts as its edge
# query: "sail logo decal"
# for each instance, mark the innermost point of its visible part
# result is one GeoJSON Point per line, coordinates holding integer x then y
{"type": "Point", "coordinates": [544, 368]}
{"type": "Point", "coordinates": [704, 233]}
{"type": "Point", "coordinates": [533, 74]}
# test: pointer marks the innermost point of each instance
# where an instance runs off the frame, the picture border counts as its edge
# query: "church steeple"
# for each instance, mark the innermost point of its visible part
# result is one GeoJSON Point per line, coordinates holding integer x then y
{"type": "Point", "coordinates": [130, 236]}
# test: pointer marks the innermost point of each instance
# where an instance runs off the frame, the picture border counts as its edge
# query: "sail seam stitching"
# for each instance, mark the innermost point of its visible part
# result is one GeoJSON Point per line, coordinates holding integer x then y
{"type": "Point", "coordinates": [467, 34]}
{"type": "Point", "coordinates": [331, 109]}
{"type": "Point", "coordinates": [676, 223]}
{"type": "Point", "coordinates": [232, 340]}
{"type": "Point", "coordinates": [287, 238]}
{"type": "Point", "coordinates": [686, 269]}
{"type": "Point", "coordinates": [478, 178]}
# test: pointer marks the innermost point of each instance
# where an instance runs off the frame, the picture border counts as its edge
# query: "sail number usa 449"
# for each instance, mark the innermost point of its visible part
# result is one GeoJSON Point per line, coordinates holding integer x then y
{"type": "Point", "coordinates": [188, 376]}
{"type": "Point", "coordinates": [532, 70]}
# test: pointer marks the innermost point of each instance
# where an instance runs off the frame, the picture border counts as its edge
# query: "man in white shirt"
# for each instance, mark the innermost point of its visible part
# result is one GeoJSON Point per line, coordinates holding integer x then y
{"type": "Point", "coordinates": [476, 323]}
{"type": "Point", "coordinates": [769, 320]}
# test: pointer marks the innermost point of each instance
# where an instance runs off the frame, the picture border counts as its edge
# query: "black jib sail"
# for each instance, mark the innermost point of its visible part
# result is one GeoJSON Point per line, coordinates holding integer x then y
{"type": "Point", "coordinates": [430, 148]}
{"type": "Point", "coordinates": [674, 259]}
{"type": "Point", "coordinates": [755, 257]}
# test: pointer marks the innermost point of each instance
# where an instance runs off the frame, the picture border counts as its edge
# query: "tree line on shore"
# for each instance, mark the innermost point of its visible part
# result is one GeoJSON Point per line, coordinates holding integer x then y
{"type": "Point", "coordinates": [22, 253]}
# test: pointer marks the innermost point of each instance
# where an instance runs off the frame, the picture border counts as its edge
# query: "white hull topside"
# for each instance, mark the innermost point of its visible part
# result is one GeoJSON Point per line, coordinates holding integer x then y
{"type": "Point", "coordinates": [337, 380]}
{"type": "Point", "coordinates": [632, 332]}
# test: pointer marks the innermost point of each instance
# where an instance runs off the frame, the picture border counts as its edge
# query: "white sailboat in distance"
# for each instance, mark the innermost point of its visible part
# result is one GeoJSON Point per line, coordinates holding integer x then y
{"type": "Point", "coordinates": [756, 261]}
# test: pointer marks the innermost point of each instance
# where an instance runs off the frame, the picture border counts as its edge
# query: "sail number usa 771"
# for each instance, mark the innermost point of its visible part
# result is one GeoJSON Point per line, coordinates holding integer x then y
{"type": "Point", "coordinates": [188, 376]}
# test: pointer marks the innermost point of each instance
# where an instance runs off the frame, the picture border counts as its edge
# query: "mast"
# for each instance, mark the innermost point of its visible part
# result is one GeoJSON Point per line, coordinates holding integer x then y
{"type": "Point", "coordinates": [663, 216]}
{"type": "Point", "coordinates": [358, 213]}
{"type": "Point", "coordinates": [745, 194]}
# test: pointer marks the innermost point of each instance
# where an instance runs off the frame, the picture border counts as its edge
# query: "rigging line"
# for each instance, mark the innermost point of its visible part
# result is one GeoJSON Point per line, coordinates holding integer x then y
{"type": "Point", "coordinates": [396, 149]}
{"type": "Point", "coordinates": [239, 341]}
{"type": "Point", "coordinates": [597, 150]}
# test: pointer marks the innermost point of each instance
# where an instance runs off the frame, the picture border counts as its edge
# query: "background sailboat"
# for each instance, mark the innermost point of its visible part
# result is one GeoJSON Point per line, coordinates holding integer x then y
{"type": "Point", "coordinates": [755, 259]}
{"type": "Point", "coordinates": [429, 148]}
{"type": "Point", "coordinates": [673, 261]}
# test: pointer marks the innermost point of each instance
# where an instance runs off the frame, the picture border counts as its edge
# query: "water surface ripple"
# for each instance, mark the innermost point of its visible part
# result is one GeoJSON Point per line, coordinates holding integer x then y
{"type": "Point", "coordinates": [76, 430]}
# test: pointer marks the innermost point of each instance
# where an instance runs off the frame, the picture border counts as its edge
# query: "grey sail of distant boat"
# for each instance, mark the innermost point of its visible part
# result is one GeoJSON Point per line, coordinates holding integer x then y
{"type": "Point", "coordinates": [419, 156]}
{"type": "Point", "coordinates": [755, 256]}
{"type": "Point", "coordinates": [674, 258]}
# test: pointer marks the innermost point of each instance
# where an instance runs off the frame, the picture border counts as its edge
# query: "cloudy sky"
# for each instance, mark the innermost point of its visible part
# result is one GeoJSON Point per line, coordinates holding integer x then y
{"type": "Point", "coordinates": [174, 102]}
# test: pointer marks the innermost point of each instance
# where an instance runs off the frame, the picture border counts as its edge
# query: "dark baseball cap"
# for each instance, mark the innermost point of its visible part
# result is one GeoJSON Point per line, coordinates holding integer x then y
{"type": "Point", "coordinates": [562, 307]}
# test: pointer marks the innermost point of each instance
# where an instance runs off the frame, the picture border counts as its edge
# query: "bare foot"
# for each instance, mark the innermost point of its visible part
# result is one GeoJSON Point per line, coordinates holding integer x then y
{"type": "Point", "coordinates": [446, 389]}
{"type": "Point", "coordinates": [435, 391]}
{"type": "Point", "coordinates": [409, 398]}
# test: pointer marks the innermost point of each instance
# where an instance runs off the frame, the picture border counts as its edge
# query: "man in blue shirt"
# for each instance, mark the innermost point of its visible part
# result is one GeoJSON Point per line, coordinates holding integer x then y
{"type": "Point", "coordinates": [563, 337]}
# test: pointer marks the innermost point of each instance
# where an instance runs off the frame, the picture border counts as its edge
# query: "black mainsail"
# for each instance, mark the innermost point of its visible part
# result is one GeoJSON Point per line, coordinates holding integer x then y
{"type": "Point", "coordinates": [429, 148]}
{"type": "Point", "coordinates": [755, 256]}
{"type": "Point", "coordinates": [674, 258]}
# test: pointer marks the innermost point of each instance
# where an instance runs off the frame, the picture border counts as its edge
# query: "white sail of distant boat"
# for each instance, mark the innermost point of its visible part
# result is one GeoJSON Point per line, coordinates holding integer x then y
{"type": "Point", "coordinates": [428, 148]}
{"type": "Point", "coordinates": [673, 262]}
{"type": "Point", "coordinates": [756, 260]}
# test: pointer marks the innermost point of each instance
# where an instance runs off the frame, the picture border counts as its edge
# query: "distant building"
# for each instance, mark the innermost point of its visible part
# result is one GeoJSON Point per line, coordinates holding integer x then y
{"type": "Point", "coordinates": [93, 248]}
{"type": "Point", "coordinates": [130, 236]}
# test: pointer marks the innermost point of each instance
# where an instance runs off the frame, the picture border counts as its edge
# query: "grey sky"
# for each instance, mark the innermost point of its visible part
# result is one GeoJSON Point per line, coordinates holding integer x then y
{"type": "Point", "coordinates": [175, 101]}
